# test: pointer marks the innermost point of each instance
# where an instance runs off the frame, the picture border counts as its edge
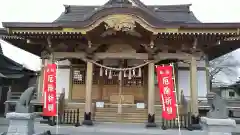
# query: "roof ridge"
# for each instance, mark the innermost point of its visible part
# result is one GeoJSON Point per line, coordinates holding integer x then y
{"type": "Point", "coordinates": [169, 5]}
{"type": "Point", "coordinates": [148, 5]}
{"type": "Point", "coordinates": [65, 5]}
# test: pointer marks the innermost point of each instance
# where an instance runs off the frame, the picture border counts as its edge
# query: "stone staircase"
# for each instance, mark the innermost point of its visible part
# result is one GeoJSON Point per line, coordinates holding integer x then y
{"type": "Point", "coordinates": [130, 114]}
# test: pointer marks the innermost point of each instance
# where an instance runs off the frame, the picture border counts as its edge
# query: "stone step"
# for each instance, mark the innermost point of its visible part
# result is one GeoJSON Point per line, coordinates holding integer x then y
{"type": "Point", "coordinates": [124, 121]}
{"type": "Point", "coordinates": [115, 119]}
{"type": "Point", "coordinates": [122, 114]}
{"type": "Point", "coordinates": [123, 109]}
{"type": "Point", "coordinates": [122, 106]}
{"type": "Point", "coordinates": [116, 106]}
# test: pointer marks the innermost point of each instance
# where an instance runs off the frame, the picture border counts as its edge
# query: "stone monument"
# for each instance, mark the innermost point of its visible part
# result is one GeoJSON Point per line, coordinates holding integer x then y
{"type": "Point", "coordinates": [22, 120]}
{"type": "Point", "coordinates": [217, 121]}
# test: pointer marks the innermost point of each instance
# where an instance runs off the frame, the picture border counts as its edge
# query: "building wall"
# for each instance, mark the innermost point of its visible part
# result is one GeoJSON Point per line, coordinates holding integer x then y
{"type": "Point", "coordinates": [184, 79]}
{"type": "Point", "coordinates": [183, 74]}
{"type": "Point", "coordinates": [63, 78]}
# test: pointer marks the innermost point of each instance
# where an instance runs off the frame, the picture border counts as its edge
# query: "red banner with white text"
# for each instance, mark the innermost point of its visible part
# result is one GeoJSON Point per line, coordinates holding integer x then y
{"type": "Point", "coordinates": [49, 93]}
{"type": "Point", "coordinates": [166, 91]}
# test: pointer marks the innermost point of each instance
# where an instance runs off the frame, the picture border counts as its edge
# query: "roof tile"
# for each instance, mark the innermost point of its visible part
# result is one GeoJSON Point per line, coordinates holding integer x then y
{"type": "Point", "coordinates": [173, 13]}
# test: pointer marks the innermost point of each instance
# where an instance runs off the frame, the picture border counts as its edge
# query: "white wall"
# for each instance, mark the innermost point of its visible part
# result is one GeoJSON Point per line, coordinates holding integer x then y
{"type": "Point", "coordinates": [63, 78]}
{"type": "Point", "coordinates": [184, 80]}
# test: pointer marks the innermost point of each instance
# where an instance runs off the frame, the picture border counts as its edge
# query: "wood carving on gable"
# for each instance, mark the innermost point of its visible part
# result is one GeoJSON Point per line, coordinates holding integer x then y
{"type": "Point", "coordinates": [120, 23]}
{"type": "Point", "coordinates": [123, 22]}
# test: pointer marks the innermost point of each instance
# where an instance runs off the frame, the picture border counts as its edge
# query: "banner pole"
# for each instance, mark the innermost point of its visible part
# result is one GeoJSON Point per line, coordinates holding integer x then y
{"type": "Point", "coordinates": [57, 121]}
{"type": "Point", "coordinates": [175, 90]}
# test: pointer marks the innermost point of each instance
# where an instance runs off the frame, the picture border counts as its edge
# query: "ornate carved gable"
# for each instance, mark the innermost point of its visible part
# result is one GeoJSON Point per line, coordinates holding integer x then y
{"type": "Point", "coordinates": [119, 23]}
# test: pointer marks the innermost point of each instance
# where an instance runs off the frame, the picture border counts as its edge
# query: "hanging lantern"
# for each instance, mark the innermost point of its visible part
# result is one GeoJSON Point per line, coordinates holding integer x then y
{"type": "Point", "coordinates": [139, 72]}
{"type": "Point", "coordinates": [106, 72]}
{"type": "Point", "coordinates": [129, 74]}
{"type": "Point", "coordinates": [120, 75]}
{"type": "Point", "coordinates": [134, 73]}
{"type": "Point", "coordinates": [124, 74]}
{"type": "Point", "coordinates": [101, 71]}
{"type": "Point", "coordinates": [110, 74]}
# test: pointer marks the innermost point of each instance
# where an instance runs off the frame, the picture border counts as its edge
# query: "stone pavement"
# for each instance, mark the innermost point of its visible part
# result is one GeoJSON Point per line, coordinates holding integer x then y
{"type": "Point", "coordinates": [107, 129]}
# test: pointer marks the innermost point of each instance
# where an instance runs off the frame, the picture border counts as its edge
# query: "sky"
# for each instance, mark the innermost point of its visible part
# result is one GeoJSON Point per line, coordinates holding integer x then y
{"type": "Point", "coordinates": [49, 10]}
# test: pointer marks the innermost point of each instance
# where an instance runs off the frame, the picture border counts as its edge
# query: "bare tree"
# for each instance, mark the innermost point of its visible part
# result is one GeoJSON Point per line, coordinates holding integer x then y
{"type": "Point", "coordinates": [222, 68]}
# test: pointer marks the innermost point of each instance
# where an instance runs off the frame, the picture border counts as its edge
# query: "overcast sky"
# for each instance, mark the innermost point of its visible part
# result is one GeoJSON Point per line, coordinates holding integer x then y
{"type": "Point", "coordinates": [49, 10]}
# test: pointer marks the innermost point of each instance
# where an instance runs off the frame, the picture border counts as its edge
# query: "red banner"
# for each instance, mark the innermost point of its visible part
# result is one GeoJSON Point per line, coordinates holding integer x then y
{"type": "Point", "coordinates": [50, 98]}
{"type": "Point", "coordinates": [166, 91]}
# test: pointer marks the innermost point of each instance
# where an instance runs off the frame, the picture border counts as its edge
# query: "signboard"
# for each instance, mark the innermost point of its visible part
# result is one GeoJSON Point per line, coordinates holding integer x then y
{"type": "Point", "coordinates": [100, 104]}
{"type": "Point", "coordinates": [49, 90]}
{"type": "Point", "coordinates": [140, 105]}
{"type": "Point", "coordinates": [166, 91]}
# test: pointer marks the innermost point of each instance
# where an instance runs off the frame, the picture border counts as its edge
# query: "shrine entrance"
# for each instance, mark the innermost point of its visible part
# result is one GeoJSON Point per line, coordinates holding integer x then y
{"type": "Point", "coordinates": [122, 84]}
{"type": "Point", "coordinates": [124, 89]}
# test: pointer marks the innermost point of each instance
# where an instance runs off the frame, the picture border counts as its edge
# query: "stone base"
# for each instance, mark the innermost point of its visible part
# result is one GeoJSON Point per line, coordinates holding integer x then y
{"type": "Point", "coordinates": [45, 133]}
{"type": "Point", "coordinates": [21, 123]}
{"type": "Point", "coordinates": [218, 126]}
{"type": "Point", "coordinates": [87, 122]}
{"type": "Point", "coordinates": [151, 121]}
{"type": "Point", "coordinates": [149, 125]}
{"type": "Point", "coordinates": [87, 119]}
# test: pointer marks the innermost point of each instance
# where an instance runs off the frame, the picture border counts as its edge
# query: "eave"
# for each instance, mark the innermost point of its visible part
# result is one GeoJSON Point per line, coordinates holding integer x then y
{"type": "Point", "coordinates": [222, 49]}
{"type": "Point", "coordinates": [60, 25]}
{"type": "Point", "coordinates": [74, 30]}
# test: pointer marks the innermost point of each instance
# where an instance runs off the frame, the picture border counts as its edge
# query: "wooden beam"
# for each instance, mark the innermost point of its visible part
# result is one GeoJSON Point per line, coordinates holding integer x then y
{"type": "Point", "coordinates": [120, 40]}
{"type": "Point", "coordinates": [180, 56]}
{"type": "Point", "coordinates": [141, 56]}
{"type": "Point", "coordinates": [80, 55]}
{"type": "Point", "coordinates": [62, 55]}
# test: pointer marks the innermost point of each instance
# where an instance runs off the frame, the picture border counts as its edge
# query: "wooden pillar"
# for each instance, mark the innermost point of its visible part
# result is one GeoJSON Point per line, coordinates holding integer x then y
{"type": "Point", "coordinates": [40, 80]}
{"type": "Point", "coordinates": [145, 81]}
{"type": "Point", "coordinates": [193, 86]}
{"type": "Point", "coordinates": [208, 79]}
{"type": "Point", "coordinates": [178, 91]}
{"type": "Point", "coordinates": [88, 102]}
{"type": "Point", "coordinates": [151, 96]}
{"type": "Point", "coordinates": [70, 83]}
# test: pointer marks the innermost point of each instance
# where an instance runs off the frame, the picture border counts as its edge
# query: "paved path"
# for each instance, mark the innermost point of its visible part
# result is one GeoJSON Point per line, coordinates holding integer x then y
{"type": "Point", "coordinates": [107, 129]}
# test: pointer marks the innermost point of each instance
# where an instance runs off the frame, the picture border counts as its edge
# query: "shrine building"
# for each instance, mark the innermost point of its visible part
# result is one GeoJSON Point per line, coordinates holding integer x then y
{"type": "Point", "coordinates": [106, 55]}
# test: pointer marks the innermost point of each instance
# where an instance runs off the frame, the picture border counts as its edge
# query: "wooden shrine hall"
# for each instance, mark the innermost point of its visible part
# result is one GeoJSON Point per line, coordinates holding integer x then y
{"type": "Point", "coordinates": [107, 55]}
